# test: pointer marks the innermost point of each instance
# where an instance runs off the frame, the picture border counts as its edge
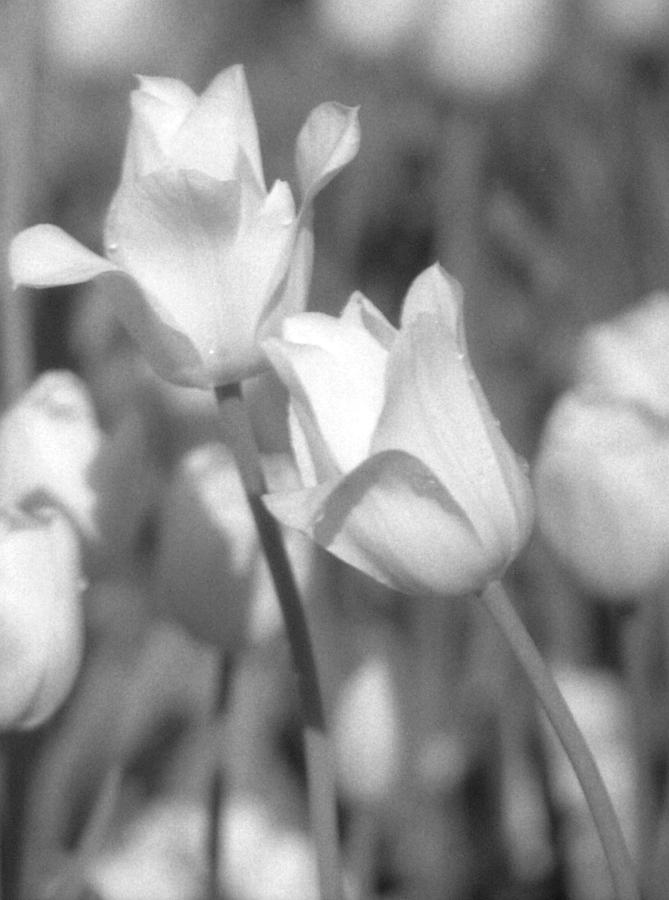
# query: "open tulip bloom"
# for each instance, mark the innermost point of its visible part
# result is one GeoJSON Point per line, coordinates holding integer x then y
{"type": "Point", "coordinates": [406, 473]}
{"type": "Point", "coordinates": [212, 261]}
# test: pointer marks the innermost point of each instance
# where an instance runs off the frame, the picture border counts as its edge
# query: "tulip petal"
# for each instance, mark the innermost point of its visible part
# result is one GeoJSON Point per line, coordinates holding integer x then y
{"type": "Point", "coordinates": [328, 140]}
{"type": "Point", "coordinates": [45, 255]}
{"type": "Point", "coordinates": [336, 376]}
{"type": "Point", "coordinates": [436, 411]}
{"type": "Point", "coordinates": [178, 235]}
{"type": "Point", "coordinates": [40, 618]}
{"type": "Point", "coordinates": [168, 350]}
{"type": "Point", "coordinates": [393, 501]}
{"type": "Point", "coordinates": [159, 108]}
{"type": "Point", "coordinates": [217, 127]}
{"type": "Point", "coordinates": [363, 314]}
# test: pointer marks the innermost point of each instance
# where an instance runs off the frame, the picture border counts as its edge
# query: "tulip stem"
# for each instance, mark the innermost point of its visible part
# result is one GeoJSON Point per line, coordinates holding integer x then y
{"type": "Point", "coordinates": [217, 785]}
{"type": "Point", "coordinates": [239, 436]}
{"type": "Point", "coordinates": [559, 714]}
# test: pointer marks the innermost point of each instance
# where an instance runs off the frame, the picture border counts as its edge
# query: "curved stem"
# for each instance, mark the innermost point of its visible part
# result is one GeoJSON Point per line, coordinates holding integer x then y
{"type": "Point", "coordinates": [320, 769]}
{"type": "Point", "coordinates": [596, 795]}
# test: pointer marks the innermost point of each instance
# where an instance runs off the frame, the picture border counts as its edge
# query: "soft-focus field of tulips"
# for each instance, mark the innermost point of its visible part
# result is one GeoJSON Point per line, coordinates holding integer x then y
{"type": "Point", "coordinates": [334, 450]}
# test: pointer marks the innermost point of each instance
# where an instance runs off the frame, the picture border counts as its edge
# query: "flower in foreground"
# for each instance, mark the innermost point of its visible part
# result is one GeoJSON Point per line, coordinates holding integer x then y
{"type": "Point", "coordinates": [211, 260]}
{"type": "Point", "coordinates": [406, 473]}
{"type": "Point", "coordinates": [601, 479]}
{"type": "Point", "coordinates": [40, 616]}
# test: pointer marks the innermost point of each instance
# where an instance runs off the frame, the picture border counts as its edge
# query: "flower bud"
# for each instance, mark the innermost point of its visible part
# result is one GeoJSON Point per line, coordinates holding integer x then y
{"type": "Point", "coordinates": [626, 358]}
{"type": "Point", "coordinates": [633, 24]}
{"type": "Point", "coordinates": [487, 48]}
{"type": "Point", "coordinates": [40, 617]}
{"type": "Point", "coordinates": [602, 486]}
{"type": "Point", "coordinates": [48, 442]}
{"type": "Point", "coordinates": [406, 473]}
{"type": "Point", "coordinates": [372, 29]}
{"type": "Point", "coordinates": [367, 732]}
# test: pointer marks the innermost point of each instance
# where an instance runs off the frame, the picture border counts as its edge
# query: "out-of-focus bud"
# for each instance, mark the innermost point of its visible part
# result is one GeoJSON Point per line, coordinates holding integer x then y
{"type": "Point", "coordinates": [370, 30]}
{"type": "Point", "coordinates": [602, 490]}
{"type": "Point", "coordinates": [487, 49]}
{"type": "Point", "coordinates": [626, 357]}
{"type": "Point", "coordinates": [367, 732]}
{"type": "Point", "coordinates": [633, 24]}
{"type": "Point", "coordinates": [162, 857]}
{"type": "Point", "coordinates": [40, 617]}
{"type": "Point", "coordinates": [48, 442]}
{"type": "Point", "coordinates": [210, 574]}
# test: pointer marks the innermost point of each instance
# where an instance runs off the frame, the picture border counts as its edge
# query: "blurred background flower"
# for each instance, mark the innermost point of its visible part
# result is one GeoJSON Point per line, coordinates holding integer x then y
{"type": "Point", "coordinates": [522, 145]}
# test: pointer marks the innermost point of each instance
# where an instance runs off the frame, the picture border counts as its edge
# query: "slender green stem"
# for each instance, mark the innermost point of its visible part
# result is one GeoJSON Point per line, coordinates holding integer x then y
{"type": "Point", "coordinates": [596, 795]}
{"type": "Point", "coordinates": [217, 783]}
{"type": "Point", "coordinates": [320, 769]}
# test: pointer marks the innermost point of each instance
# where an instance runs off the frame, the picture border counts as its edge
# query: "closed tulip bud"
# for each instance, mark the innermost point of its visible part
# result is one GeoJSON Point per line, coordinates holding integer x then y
{"type": "Point", "coordinates": [210, 260]}
{"type": "Point", "coordinates": [632, 24]}
{"type": "Point", "coordinates": [406, 473]}
{"type": "Point", "coordinates": [49, 441]}
{"type": "Point", "coordinates": [626, 358]}
{"type": "Point", "coordinates": [601, 480]}
{"type": "Point", "coordinates": [40, 617]}
{"type": "Point", "coordinates": [372, 29]}
{"type": "Point", "coordinates": [367, 732]}
{"type": "Point", "coordinates": [487, 48]}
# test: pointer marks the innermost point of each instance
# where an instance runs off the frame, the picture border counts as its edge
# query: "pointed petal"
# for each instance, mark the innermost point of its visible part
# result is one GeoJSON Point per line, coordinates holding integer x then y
{"type": "Point", "coordinates": [221, 123]}
{"type": "Point", "coordinates": [435, 293]}
{"type": "Point", "coordinates": [436, 411]}
{"type": "Point", "coordinates": [169, 91]}
{"type": "Point", "coordinates": [393, 501]}
{"type": "Point", "coordinates": [44, 255]}
{"type": "Point", "coordinates": [360, 312]}
{"type": "Point", "coordinates": [335, 373]}
{"type": "Point", "coordinates": [329, 139]}
{"type": "Point", "coordinates": [159, 108]}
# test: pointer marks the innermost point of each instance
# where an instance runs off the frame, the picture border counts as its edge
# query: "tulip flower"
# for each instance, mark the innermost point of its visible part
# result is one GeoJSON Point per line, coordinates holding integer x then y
{"type": "Point", "coordinates": [625, 358]}
{"type": "Point", "coordinates": [367, 732]}
{"type": "Point", "coordinates": [371, 30]}
{"type": "Point", "coordinates": [211, 261]}
{"type": "Point", "coordinates": [636, 25]}
{"type": "Point", "coordinates": [49, 441]}
{"type": "Point", "coordinates": [485, 49]}
{"type": "Point", "coordinates": [40, 617]}
{"type": "Point", "coordinates": [406, 473]}
{"type": "Point", "coordinates": [601, 478]}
